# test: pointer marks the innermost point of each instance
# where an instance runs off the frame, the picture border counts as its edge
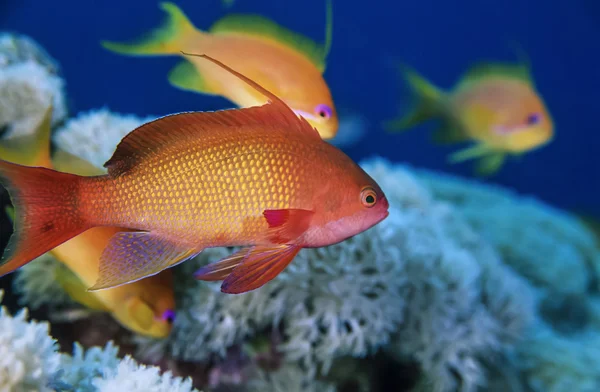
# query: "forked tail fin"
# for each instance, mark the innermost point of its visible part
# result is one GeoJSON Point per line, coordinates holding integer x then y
{"type": "Point", "coordinates": [46, 212]}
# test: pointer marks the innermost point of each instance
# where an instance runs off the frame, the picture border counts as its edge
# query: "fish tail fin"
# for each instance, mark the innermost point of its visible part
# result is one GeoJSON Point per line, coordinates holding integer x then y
{"type": "Point", "coordinates": [32, 149]}
{"type": "Point", "coordinates": [171, 37]}
{"type": "Point", "coordinates": [428, 102]}
{"type": "Point", "coordinates": [46, 212]}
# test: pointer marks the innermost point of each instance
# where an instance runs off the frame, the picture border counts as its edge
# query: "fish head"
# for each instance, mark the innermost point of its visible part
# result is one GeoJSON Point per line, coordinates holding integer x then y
{"type": "Point", "coordinates": [523, 123]}
{"type": "Point", "coordinates": [150, 311]}
{"type": "Point", "coordinates": [349, 203]}
{"type": "Point", "coordinates": [320, 114]}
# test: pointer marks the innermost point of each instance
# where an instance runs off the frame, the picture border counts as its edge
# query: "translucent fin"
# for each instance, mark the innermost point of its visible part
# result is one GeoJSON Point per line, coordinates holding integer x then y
{"type": "Point", "coordinates": [490, 164]}
{"type": "Point", "coordinates": [222, 268]}
{"type": "Point", "coordinates": [168, 38]}
{"type": "Point", "coordinates": [186, 77]}
{"type": "Point", "coordinates": [428, 102]}
{"type": "Point", "coordinates": [485, 70]}
{"type": "Point", "coordinates": [261, 265]}
{"type": "Point", "coordinates": [131, 256]}
{"type": "Point", "coordinates": [449, 134]}
{"type": "Point", "coordinates": [69, 163]}
{"type": "Point", "coordinates": [473, 152]}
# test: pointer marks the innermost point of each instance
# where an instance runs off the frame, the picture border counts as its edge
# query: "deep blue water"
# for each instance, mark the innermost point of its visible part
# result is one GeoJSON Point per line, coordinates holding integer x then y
{"type": "Point", "coordinates": [440, 38]}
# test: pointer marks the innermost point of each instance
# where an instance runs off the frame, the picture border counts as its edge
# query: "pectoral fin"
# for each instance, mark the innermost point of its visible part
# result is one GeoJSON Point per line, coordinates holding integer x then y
{"type": "Point", "coordinates": [131, 256]}
{"type": "Point", "coordinates": [287, 225]}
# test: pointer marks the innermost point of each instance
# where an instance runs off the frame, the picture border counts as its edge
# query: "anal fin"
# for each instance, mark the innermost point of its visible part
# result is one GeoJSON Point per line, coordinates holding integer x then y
{"type": "Point", "coordinates": [488, 165]}
{"type": "Point", "coordinates": [131, 256]}
{"type": "Point", "coordinates": [473, 152]}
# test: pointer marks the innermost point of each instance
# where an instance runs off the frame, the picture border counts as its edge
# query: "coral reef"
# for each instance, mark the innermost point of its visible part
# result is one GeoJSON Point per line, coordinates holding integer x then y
{"type": "Point", "coordinates": [29, 82]}
{"type": "Point", "coordinates": [31, 362]}
{"type": "Point", "coordinates": [462, 283]}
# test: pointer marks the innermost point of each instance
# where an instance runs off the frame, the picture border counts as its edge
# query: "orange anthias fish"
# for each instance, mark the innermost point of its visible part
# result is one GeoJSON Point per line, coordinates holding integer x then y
{"type": "Point", "coordinates": [258, 177]}
{"type": "Point", "coordinates": [146, 306]}
{"type": "Point", "coordinates": [496, 106]}
{"type": "Point", "coordinates": [285, 63]}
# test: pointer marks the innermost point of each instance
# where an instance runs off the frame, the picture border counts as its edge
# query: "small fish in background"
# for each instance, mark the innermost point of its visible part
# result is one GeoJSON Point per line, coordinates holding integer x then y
{"type": "Point", "coordinates": [284, 62]}
{"type": "Point", "coordinates": [146, 306]}
{"type": "Point", "coordinates": [228, 3]}
{"type": "Point", "coordinates": [495, 106]}
{"type": "Point", "coordinates": [353, 128]}
{"type": "Point", "coordinates": [259, 177]}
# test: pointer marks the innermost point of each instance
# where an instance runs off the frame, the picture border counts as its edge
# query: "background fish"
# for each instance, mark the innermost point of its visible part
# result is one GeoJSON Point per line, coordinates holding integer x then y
{"type": "Point", "coordinates": [283, 62]}
{"type": "Point", "coordinates": [146, 306]}
{"type": "Point", "coordinates": [257, 177]}
{"type": "Point", "coordinates": [495, 106]}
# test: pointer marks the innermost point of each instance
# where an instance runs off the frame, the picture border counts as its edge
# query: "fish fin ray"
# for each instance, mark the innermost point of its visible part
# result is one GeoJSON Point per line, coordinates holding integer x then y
{"type": "Point", "coordinates": [286, 225]}
{"type": "Point", "coordinates": [169, 38]}
{"type": "Point", "coordinates": [261, 265]}
{"type": "Point", "coordinates": [489, 165]}
{"type": "Point", "coordinates": [186, 77]}
{"type": "Point", "coordinates": [449, 133]}
{"type": "Point", "coordinates": [472, 152]}
{"type": "Point", "coordinates": [46, 212]}
{"type": "Point", "coordinates": [428, 99]}
{"type": "Point", "coordinates": [184, 127]}
{"type": "Point", "coordinates": [484, 70]}
{"type": "Point", "coordinates": [131, 256]}
{"type": "Point", "coordinates": [222, 268]}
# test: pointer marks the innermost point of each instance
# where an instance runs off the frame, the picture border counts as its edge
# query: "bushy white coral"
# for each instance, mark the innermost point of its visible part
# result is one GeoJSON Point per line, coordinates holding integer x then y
{"type": "Point", "coordinates": [28, 84]}
{"type": "Point", "coordinates": [551, 362]}
{"type": "Point", "coordinates": [548, 246]}
{"type": "Point", "coordinates": [36, 284]}
{"type": "Point", "coordinates": [28, 357]}
{"type": "Point", "coordinates": [94, 135]}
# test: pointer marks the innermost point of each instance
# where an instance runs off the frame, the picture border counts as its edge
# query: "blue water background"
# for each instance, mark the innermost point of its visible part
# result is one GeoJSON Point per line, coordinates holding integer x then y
{"type": "Point", "coordinates": [440, 38]}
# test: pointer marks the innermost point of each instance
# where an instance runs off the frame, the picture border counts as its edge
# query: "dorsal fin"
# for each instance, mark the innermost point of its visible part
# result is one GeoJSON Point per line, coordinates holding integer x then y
{"type": "Point", "coordinates": [484, 70]}
{"type": "Point", "coordinates": [154, 135]}
{"type": "Point", "coordinates": [259, 26]}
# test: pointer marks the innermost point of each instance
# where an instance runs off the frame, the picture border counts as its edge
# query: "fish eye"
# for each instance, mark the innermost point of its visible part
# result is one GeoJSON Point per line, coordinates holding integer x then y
{"type": "Point", "coordinates": [368, 197]}
{"type": "Point", "coordinates": [533, 118]}
{"type": "Point", "coordinates": [168, 316]}
{"type": "Point", "coordinates": [323, 111]}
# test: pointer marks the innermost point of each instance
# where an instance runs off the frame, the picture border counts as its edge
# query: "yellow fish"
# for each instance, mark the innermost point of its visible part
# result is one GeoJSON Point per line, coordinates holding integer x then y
{"type": "Point", "coordinates": [285, 63]}
{"type": "Point", "coordinates": [496, 106]}
{"type": "Point", "coordinates": [145, 306]}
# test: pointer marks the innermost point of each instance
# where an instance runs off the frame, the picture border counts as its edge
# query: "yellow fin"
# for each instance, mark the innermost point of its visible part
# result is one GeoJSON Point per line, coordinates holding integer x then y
{"type": "Point", "coordinates": [485, 70]}
{"type": "Point", "coordinates": [77, 289]}
{"type": "Point", "coordinates": [449, 134]}
{"type": "Point", "coordinates": [140, 312]}
{"type": "Point", "coordinates": [428, 102]}
{"type": "Point", "coordinates": [259, 26]}
{"type": "Point", "coordinates": [32, 149]}
{"type": "Point", "coordinates": [69, 163]}
{"type": "Point", "coordinates": [473, 152]}
{"type": "Point", "coordinates": [165, 39]}
{"type": "Point", "coordinates": [185, 76]}
{"type": "Point", "coordinates": [490, 164]}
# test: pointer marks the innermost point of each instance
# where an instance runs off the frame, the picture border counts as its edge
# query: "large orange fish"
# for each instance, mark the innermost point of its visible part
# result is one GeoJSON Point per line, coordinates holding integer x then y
{"type": "Point", "coordinates": [258, 177]}
{"type": "Point", "coordinates": [495, 106]}
{"type": "Point", "coordinates": [146, 306]}
{"type": "Point", "coordinates": [285, 63]}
